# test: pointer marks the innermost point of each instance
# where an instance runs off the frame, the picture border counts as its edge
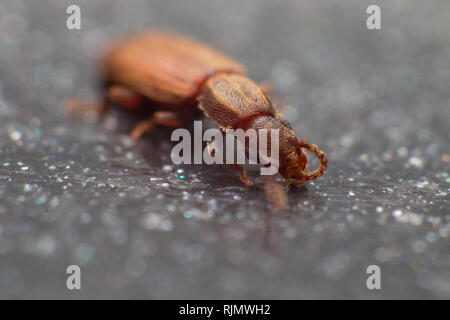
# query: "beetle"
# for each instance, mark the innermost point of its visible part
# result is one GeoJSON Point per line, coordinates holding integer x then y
{"type": "Point", "coordinates": [182, 76]}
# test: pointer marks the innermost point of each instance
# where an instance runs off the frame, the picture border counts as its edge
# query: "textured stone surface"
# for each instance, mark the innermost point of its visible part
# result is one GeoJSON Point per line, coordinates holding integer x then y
{"type": "Point", "coordinates": [80, 192]}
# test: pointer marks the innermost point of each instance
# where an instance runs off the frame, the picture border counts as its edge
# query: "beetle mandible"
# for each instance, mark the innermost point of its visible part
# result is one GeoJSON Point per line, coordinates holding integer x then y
{"type": "Point", "coordinates": [180, 76]}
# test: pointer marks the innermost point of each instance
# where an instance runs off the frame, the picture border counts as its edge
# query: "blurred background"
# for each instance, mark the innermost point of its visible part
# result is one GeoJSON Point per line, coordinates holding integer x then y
{"type": "Point", "coordinates": [78, 191]}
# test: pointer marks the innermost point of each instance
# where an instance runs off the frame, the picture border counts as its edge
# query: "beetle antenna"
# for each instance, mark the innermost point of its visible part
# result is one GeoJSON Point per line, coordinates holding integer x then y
{"type": "Point", "coordinates": [320, 155]}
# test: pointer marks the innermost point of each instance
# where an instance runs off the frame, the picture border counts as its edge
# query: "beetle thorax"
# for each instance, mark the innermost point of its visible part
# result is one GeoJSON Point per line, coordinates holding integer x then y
{"type": "Point", "coordinates": [229, 99]}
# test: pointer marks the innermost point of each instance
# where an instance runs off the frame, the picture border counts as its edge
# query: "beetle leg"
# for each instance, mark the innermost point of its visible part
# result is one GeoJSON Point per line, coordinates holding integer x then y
{"type": "Point", "coordinates": [159, 118]}
{"type": "Point", "coordinates": [115, 93]}
{"type": "Point", "coordinates": [124, 97]}
{"type": "Point", "coordinates": [78, 106]}
{"type": "Point", "coordinates": [141, 128]}
{"type": "Point", "coordinates": [242, 173]}
{"type": "Point", "coordinates": [275, 193]}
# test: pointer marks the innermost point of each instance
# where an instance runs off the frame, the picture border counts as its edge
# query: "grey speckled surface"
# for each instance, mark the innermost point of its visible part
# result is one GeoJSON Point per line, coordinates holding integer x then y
{"type": "Point", "coordinates": [77, 192]}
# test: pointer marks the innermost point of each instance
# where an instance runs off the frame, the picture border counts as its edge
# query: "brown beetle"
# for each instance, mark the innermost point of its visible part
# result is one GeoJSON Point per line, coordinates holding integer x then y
{"type": "Point", "coordinates": [181, 75]}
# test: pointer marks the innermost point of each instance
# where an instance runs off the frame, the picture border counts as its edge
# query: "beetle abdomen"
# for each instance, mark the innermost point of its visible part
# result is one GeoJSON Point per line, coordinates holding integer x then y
{"type": "Point", "coordinates": [230, 99]}
{"type": "Point", "coordinates": [165, 67]}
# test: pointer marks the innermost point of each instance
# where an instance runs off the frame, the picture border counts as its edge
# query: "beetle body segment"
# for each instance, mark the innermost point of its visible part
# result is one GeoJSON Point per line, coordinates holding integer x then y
{"type": "Point", "coordinates": [165, 67]}
{"type": "Point", "coordinates": [231, 99]}
{"type": "Point", "coordinates": [292, 158]}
